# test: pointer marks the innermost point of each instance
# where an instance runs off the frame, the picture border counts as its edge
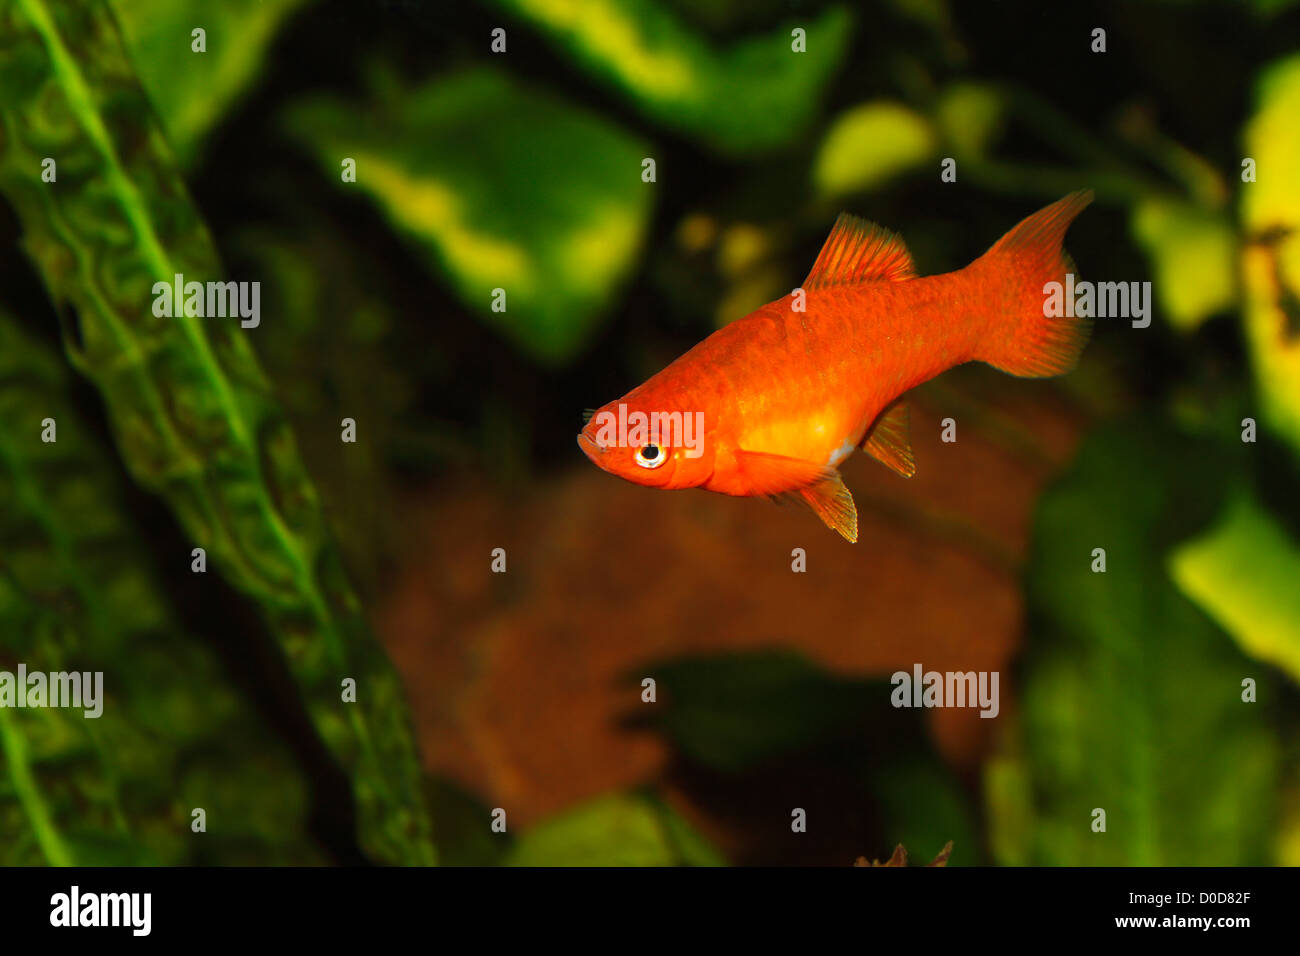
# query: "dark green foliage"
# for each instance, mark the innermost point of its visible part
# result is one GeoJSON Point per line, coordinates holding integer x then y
{"type": "Point", "coordinates": [191, 411]}
{"type": "Point", "coordinates": [776, 713]}
{"type": "Point", "coordinates": [1133, 697]}
{"type": "Point", "coordinates": [77, 593]}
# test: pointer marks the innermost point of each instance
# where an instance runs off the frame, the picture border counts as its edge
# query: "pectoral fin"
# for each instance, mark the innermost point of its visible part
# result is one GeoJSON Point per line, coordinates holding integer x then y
{"type": "Point", "coordinates": [889, 443]}
{"type": "Point", "coordinates": [767, 474]}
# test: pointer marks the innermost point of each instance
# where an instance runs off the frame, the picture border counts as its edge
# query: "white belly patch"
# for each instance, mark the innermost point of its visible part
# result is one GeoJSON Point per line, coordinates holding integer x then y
{"type": "Point", "coordinates": [839, 454]}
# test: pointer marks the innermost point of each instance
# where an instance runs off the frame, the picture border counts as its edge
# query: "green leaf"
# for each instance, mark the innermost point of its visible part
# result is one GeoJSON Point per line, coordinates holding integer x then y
{"type": "Point", "coordinates": [75, 594]}
{"type": "Point", "coordinates": [870, 144]}
{"type": "Point", "coordinates": [191, 411]}
{"type": "Point", "coordinates": [190, 90]}
{"type": "Point", "coordinates": [556, 227]}
{"type": "Point", "coordinates": [1132, 696]}
{"type": "Point", "coordinates": [745, 713]}
{"type": "Point", "coordinates": [733, 712]}
{"type": "Point", "coordinates": [1009, 810]}
{"type": "Point", "coordinates": [689, 845]}
{"type": "Point", "coordinates": [1193, 256]}
{"type": "Point", "coordinates": [1243, 572]}
{"type": "Point", "coordinates": [754, 95]}
{"type": "Point", "coordinates": [923, 807]}
{"type": "Point", "coordinates": [461, 828]}
{"type": "Point", "coordinates": [1270, 8]}
{"type": "Point", "coordinates": [1270, 211]}
{"type": "Point", "coordinates": [615, 830]}
{"type": "Point", "coordinates": [971, 117]}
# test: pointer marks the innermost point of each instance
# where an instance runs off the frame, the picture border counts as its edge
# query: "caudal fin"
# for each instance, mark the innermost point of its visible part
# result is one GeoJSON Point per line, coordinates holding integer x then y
{"type": "Point", "coordinates": [1023, 340]}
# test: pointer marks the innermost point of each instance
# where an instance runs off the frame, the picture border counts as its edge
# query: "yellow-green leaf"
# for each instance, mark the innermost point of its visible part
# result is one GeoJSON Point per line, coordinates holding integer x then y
{"type": "Point", "coordinates": [614, 830]}
{"type": "Point", "coordinates": [1270, 210]}
{"type": "Point", "coordinates": [1244, 573]}
{"type": "Point", "coordinates": [869, 145]}
{"type": "Point", "coordinates": [755, 94]}
{"type": "Point", "coordinates": [970, 116]}
{"type": "Point", "coordinates": [1193, 259]}
{"type": "Point", "coordinates": [192, 90]}
{"type": "Point", "coordinates": [555, 227]}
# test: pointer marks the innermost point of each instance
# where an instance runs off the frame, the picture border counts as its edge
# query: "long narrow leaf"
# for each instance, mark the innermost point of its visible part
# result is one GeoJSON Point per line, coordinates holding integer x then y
{"type": "Point", "coordinates": [192, 413]}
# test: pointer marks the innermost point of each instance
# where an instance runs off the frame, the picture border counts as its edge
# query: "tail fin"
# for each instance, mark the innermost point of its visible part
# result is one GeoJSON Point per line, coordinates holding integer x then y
{"type": "Point", "coordinates": [1024, 341]}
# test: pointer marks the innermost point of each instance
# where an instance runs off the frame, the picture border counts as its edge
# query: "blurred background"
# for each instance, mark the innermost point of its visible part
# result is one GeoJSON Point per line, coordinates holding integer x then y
{"type": "Point", "coordinates": [1162, 691]}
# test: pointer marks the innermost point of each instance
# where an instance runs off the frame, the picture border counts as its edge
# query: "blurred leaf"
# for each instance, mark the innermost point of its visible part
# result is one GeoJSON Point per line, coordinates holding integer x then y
{"type": "Point", "coordinates": [76, 594]}
{"type": "Point", "coordinates": [1009, 815]}
{"type": "Point", "coordinates": [1244, 573]}
{"type": "Point", "coordinates": [462, 829]}
{"type": "Point", "coordinates": [1288, 840]}
{"type": "Point", "coordinates": [870, 144]}
{"type": "Point", "coordinates": [1193, 256]}
{"type": "Point", "coordinates": [754, 95]}
{"type": "Point", "coordinates": [1272, 139]}
{"type": "Point", "coordinates": [1270, 210]}
{"type": "Point", "coordinates": [1132, 696]}
{"type": "Point", "coordinates": [192, 91]}
{"type": "Point", "coordinates": [615, 830]}
{"type": "Point", "coordinates": [325, 290]}
{"type": "Point", "coordinates": [748, 293]}
{"type": "Point", "coordinates": [732, 712]}
{"type": "Point", "coordinates": [557, 228]}
{"type": "Point", "coordinates": [1270, 8]}
{"type": "Point", "coordinates": [189, 406]}
{"type": "Point", "coordinates": [735, 713]}
{"type": "Point", "coordinates": [922, 805]}
{"type": "Point", "coordinates": [692, 848]}
{"type": "Point", "coordinates": [971, 117]}
{"type": "Point", "coordinates": [933, 13]}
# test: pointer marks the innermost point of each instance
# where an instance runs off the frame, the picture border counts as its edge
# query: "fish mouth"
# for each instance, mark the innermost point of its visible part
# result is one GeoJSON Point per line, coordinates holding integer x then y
{"type": "Point", "coordinates": [591, 449]}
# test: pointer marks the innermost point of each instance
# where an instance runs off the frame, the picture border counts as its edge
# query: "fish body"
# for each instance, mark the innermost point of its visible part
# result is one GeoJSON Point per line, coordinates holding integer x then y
{"type": "Point", "coordinates": [786, 393]}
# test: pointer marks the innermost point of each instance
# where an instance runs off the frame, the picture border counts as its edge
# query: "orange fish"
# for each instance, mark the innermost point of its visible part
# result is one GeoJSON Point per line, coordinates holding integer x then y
{"type": "Point", "coordinates": [772, 403]}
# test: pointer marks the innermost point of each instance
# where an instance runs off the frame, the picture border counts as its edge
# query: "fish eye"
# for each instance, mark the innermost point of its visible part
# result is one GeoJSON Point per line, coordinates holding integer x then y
{"type": "Point", "coordinates": [651, 456]}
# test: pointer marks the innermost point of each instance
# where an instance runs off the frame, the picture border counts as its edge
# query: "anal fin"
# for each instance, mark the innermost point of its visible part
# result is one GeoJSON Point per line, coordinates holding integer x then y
{"type": "Point", "coordinates": [792, 479]}
{"type": "Point", "coordinates": [888, 441]}
{"type": "Point", "coordinates": [831, 501]}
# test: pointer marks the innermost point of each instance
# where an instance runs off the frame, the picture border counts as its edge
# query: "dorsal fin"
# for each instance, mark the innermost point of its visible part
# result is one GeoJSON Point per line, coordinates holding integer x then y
{"type": "Point", "coordinates": [860, 251]}
{"type": "Point", "coordinates": [888, 441]}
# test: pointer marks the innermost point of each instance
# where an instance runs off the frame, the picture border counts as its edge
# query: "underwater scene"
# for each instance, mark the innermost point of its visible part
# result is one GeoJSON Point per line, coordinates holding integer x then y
{"type": "Point", "coordinates": [637, 433]}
